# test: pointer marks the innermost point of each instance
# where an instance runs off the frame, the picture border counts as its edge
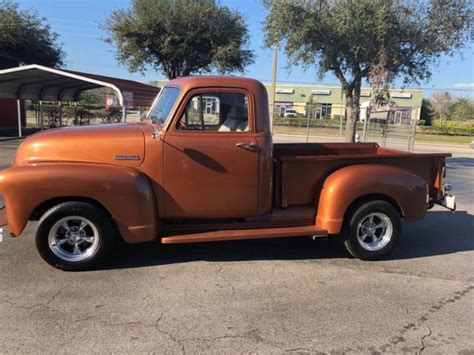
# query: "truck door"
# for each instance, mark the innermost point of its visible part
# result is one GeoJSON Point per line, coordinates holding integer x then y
{"type": "Point", "coordinates": [211, 157]}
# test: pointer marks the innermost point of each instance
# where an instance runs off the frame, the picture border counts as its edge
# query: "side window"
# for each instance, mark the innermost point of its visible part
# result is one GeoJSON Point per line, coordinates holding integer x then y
{"type": "Point", "coordinates": [218, 112]}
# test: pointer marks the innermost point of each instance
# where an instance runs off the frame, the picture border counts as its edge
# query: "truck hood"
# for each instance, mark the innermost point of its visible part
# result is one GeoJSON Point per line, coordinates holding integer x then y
{"type": "Point", "coordinates": [117, 144]}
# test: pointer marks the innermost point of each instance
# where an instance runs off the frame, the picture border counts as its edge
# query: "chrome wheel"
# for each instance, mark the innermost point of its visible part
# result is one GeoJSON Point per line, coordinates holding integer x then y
{"type": "Point", "coordinates": [374, 231]}
{"type": "Point", "coordinates": [73, 238]}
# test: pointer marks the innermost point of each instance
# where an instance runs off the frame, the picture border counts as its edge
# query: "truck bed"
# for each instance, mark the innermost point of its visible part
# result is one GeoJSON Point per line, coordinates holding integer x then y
{"type": "Point", "coordinates": [301, 168]}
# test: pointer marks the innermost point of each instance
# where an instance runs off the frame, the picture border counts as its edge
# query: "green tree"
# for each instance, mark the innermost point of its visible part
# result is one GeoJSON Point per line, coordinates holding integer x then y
{"type": "Point", "coordinates": [26, 38]}
{"type": "Point", "coordinates": [374, 40]}
{"type": "Point", "coordinates": [462, 109]}
{"type": "Point", "coordinates": [180, 37]}
{"type": "Point", "coordinates": [427, 111]}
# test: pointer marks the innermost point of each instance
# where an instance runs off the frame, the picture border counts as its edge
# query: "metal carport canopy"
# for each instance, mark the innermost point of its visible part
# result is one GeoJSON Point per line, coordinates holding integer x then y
{"type": "Point", "coordinates": [36, 82]}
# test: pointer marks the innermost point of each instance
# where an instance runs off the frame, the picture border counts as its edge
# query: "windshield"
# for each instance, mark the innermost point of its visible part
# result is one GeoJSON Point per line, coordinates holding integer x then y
{"type": "Point", "coordinates": [161, 109]}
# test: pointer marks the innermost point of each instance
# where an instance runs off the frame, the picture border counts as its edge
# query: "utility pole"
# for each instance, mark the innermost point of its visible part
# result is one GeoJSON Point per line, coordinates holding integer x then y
{"type": "Point", "coordinates": [273, 88]}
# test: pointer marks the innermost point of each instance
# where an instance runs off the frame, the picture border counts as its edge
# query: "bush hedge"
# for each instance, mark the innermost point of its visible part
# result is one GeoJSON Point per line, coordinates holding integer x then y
{"type": "Point", "coordinates": [449, 127]}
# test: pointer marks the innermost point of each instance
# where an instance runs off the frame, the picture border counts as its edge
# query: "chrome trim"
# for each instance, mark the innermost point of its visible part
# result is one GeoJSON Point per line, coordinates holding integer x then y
{"type": "Point", "coordinates": [246, 145]}
{"type": "Point", "coordinates": [127, 157]}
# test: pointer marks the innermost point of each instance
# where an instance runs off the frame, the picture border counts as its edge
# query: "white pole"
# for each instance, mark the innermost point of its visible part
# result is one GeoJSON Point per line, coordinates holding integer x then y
{"type": "Point", "coordinates": [41, 114]}
{"type": "Point", "coordinates": [124, 114]}
{"type": "Point", "coordinates": [19, 117]}
{"type": "Point", "coordinates": [274, 77]}
{"type": "Point", "coordinates": [60, 113]}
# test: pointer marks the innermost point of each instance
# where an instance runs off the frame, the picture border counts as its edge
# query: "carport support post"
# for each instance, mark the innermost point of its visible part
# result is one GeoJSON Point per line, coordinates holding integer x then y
{"type": "Point", "coordinates": [124, 114]}
{"type": "Point", "coordinates": [37, 114]}
{"type": "Point", "coordinates": [41, 113]}
{"type": "Point", "coordinates": [75, 114]}
{"type": "Point", "coordinates": [18, 105]}
{"type": "Point", "coordinates": [60, 112]}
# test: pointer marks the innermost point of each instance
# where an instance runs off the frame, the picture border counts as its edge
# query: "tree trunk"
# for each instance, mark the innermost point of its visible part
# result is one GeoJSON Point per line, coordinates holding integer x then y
{"type": "Point", "coordinates": [350, 119]}
{"type": "Point", "coordinates": [352, 109]}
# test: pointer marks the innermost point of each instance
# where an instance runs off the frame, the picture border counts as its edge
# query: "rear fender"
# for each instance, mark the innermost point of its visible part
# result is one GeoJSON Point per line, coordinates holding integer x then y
{"type": "Point", "coordinates": [346, 185]}
{"type": "Point", "coordinates": [126, 193]}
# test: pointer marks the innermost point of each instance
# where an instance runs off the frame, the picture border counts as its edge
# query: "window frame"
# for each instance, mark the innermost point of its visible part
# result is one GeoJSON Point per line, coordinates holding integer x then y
{"type": "Point", "coordinates": [173, 126]}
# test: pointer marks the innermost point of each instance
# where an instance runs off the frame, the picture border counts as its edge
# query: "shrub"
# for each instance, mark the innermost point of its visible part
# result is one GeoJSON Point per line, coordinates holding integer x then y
{"type": "Point", "coordinates": [462, 128]}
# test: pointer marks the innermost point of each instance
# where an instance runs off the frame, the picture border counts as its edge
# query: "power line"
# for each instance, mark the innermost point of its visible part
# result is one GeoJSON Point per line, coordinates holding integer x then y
{"type": "Point", "coordinates": [81, 35]}
{"type": "Point", "coordinates": [77, 28]}
{"type": "Point", "coordinates": [71, 21]}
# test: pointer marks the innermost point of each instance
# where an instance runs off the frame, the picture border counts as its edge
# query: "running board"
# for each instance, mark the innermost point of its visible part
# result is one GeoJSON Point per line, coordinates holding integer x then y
{"type": "Point", "coordinates": [243, 234]}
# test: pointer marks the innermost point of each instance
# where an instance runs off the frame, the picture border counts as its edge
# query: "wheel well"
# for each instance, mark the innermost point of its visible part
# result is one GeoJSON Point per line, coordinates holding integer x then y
{"type": "Point", "coordinates": [373, 197]}
{"type": "Point", "coordinates": [45, 206]}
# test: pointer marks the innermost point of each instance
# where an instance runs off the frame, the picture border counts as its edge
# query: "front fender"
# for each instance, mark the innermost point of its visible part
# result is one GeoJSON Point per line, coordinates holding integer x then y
{"type": "Point", "coordinates": [125, 192]}
{"type": "Point", "coordinates": [348, 184]}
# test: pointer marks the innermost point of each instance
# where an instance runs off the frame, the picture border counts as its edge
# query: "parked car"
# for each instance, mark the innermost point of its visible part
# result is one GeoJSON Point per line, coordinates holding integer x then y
{"type": "Point", "coordinates": [185, 177]}
{"type": "Point", "coordinates": [290, 113]}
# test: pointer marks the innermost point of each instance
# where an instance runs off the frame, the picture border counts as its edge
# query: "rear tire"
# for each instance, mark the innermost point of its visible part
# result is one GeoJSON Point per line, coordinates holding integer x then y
{"type": "Point", "coordinates": [74, 236]}
{"type": "Point", "coordinates": [372, 230]}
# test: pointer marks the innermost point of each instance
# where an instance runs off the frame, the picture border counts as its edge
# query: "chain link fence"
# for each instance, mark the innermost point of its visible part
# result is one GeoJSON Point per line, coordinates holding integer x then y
{"type": "Point", "coordinates": [90, 110]}
{"type": "Point", "coordinates": [309, 122]}
{"type": "Point", "coordinates": [391, 128]}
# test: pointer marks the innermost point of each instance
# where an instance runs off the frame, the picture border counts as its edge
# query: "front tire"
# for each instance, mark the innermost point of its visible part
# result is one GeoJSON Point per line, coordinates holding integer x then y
{"type": "Point", "coordinates": [74, 236]}
{"type": "Point", "coordinates": [372, 230]}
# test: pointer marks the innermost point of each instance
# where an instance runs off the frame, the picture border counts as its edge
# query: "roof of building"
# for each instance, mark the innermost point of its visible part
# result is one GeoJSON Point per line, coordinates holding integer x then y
{"type": "Point", "coordinates": [37, 82]}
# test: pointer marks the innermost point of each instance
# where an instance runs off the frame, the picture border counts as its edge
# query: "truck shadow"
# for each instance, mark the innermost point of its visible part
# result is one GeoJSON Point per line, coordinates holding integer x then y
{"type": "Point", "coordinates": [439, 233]}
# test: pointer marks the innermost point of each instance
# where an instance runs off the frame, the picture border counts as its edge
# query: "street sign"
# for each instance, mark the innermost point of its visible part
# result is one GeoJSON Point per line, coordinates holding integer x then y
{"type": "Point", "coordinates": [111, 101]}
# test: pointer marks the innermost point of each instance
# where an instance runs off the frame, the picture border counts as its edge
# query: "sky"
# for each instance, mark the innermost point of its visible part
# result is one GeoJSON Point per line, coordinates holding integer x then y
{"type": "Point", "coordinates": [78, 23]}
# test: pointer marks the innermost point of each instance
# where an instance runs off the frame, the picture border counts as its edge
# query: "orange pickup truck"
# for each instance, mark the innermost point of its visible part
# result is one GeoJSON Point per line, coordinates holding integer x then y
{"type": "Point", "coordinates": [203, 167]}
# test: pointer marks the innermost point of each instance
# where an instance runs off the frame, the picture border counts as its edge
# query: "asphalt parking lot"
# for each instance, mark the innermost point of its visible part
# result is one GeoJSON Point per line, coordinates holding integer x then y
{"type": "Point", "coordinates": [272, 296]}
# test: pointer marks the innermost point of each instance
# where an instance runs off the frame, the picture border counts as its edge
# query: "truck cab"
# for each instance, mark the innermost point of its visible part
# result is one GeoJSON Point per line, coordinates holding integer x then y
{"type": "Point", "coordinates": [216, 141]}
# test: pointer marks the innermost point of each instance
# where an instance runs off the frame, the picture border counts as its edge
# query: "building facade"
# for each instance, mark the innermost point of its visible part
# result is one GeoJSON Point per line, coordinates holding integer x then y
{"type": "Point", "coordinates": [328, 102]}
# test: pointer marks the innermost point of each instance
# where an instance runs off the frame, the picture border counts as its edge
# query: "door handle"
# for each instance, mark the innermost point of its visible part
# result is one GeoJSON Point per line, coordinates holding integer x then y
{"type": "Point", "coordinates": [246, 145]}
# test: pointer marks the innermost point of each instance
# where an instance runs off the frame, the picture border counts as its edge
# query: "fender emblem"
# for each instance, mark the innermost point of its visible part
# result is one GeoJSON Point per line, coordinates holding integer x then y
{"type": "Point", "coordinates": [127, 157]}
